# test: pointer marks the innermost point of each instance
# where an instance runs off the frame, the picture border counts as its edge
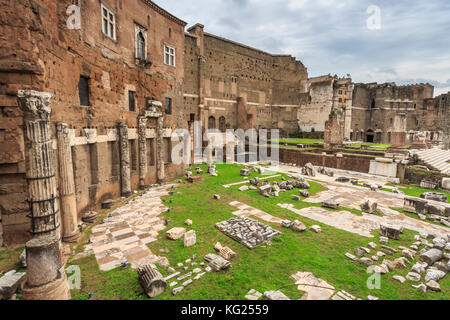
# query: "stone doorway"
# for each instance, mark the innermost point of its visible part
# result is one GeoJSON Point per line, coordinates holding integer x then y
{"type": "Point", "coordinates": [370, 136]}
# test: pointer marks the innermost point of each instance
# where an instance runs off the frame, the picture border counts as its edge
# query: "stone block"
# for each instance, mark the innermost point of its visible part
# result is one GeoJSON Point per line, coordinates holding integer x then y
{"type": "Point", "coordinates": [298, 226]}
{"type": "Point", "coordinates": [435, 209]}
{"type": "Point", "coordinates": [441, 197]}
{"type": "Point", "coordinates": [330, 204]}
{"type": "Point", "coordinates": [446, 184]}
{"type": "Point", "coordinates": [370, 206]}
{"type": "Point", "coordinates": [190, 238]}
{"type": "Point", "coordinates": [275, 295]}
{"type": "Point", "coordinates": [9, 284]}
{"type": "Point", "coordinates": [392, 232]}
{"type": "Point", "coordinates": [175, 233]}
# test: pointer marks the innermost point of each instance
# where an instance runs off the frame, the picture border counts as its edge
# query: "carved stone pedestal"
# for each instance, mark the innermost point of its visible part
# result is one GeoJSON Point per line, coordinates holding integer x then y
{"type": "Point", "coordinates": [46, 279]}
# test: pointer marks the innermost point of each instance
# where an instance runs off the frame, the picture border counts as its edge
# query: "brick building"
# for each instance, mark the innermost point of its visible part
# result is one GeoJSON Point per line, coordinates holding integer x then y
{"type": "Point", "coordinates": [376, 105]}
{"type": "Point", "coordinates": [231, 85]}
{"type": "Point", "coordinates": [86, 113]}
{"type": "Point", "coordinates": [370, 109]}
{"type": "Point", "coordinates": [109, 81]}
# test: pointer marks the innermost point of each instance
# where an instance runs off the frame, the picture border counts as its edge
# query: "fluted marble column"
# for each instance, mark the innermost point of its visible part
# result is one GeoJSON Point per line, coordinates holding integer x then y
{"type": "Point", "coordinates": [40, 166]}
{"type": "Point", "coordinates": [142, 140]}
{"type": "Point", "coordinates": [125, 171]}
{"type": "Point", "coordinates": [69, 214]}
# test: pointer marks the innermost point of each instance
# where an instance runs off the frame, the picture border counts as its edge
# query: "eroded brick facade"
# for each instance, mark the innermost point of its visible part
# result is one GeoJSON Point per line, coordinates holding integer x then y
{"type": "Point", "coordinates": [39, 52]}
{"type": "Point", "coordinates": [231, 85]}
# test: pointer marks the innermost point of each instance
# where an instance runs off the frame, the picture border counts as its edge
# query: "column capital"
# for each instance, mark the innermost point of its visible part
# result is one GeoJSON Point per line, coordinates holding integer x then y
{"type": "Point", "coordinates": [62, 128]}
{"type": "Point", "coordinates": [142, 120]}
{"type": "Point", "coordinates": [35, 104]}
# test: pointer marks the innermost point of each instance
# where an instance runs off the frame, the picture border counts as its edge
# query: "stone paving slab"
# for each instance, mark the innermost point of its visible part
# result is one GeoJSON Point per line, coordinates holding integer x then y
{"type": "Point", "coordinates": [314, 288]}
{"type": "Point", "coordinates": [248, 181]}
{"type": "Point", "coordinates": [247, 211]}
{"type": "Point", "coordinates": [343, 220]}
{"type": "Point", "coordinates": [124, 234]}
{"type": "Point", "coordinates": [352, 197]}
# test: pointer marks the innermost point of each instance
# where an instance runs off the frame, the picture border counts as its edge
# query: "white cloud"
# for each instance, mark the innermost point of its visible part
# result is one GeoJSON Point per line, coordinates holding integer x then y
{"type": "Point", "coordinates": [331, 36]}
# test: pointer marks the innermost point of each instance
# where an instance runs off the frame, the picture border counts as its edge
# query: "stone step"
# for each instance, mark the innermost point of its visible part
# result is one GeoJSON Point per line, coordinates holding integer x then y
{"type": "Point", "coordinates": [433, 157]}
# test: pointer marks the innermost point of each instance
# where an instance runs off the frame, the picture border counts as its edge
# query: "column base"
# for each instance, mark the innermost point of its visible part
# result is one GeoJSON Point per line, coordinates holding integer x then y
{"type": "Point", "coordinates": [143, 187]}
{"type": "Point", "coordinates": [127, 194]}
{"type": "Point", "coordinates": [72, 238]}
{"type": "Point", "coordinates": [56, 290]}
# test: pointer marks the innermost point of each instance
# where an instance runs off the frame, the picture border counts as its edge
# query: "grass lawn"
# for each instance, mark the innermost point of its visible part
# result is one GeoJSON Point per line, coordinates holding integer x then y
{"type": "Point", "coordinates": [267, 267]}
{"type": "Point", "coordinates": [298, 141]}
{"type": "Point", "coordinates": [371, 145]}
{"type": "Point", "coordinates": [415, 191]}
{"type": "Point", "coordinates": [9, 259]}
{"type": "Point", "coordinates": [415, 216]}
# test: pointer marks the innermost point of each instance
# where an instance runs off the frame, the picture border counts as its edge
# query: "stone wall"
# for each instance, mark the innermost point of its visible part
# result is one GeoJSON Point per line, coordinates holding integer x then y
{"type": "Point", "coordinates": [348, 162]}
{"type": "Point", "coordinates": [376, 105]}
{"type": "Point", "coordinates": [325, 93]}
{"type": "Point", "coordinates": [39, 52]}
{"type": "Point", "coordinates": [236, 86]}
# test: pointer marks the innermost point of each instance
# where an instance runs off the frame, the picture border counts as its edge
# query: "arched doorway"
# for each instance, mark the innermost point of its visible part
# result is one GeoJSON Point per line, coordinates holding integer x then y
{"type": "Point", "coordinates": [211, 123]}
{"type": "Point", "coordinates": [222, 124]}
{"type": "Point", "coordinates": [370, 136]}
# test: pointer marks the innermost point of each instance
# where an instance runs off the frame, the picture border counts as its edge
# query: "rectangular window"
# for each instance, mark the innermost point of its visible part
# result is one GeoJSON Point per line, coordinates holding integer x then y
{"type": "Point", "coordinates": [169, 56]}
{"type": "Point", "coordinates": [108, 23]}
{"type": "Point", "coordinates": [83, 91]}
{"type": "Point", "coordinates": [168, 106]}
{"type": "Point", "coordinates": [131, 102]}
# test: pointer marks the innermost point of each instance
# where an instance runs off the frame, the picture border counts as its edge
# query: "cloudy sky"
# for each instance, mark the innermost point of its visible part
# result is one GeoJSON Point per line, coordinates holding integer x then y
{"type": "Point", "coordinates": [410, 43]}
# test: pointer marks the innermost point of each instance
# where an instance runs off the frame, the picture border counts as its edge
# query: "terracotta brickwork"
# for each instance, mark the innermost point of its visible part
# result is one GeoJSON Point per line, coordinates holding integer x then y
{"type": "Point", "coordinates": [231, 85]}
{"type": "Point", "coordinates": [38, 51]}
{"type": "Point", "coordinates": [375, 107]}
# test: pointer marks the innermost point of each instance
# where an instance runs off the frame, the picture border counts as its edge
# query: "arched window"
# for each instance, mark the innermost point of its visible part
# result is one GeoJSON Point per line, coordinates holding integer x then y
{"type": "Point", "coordinates": [222, 124]}
{"type": "Point", "coordinates": [211, 123]}
{"type": "Point", "coordinates": [140, 46]}
{"type": "Point", "coordinates": [373, 104]}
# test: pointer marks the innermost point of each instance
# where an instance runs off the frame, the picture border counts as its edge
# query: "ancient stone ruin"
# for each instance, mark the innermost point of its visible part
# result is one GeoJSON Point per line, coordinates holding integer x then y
{"type": "Point", "coordinates": [248, 232]}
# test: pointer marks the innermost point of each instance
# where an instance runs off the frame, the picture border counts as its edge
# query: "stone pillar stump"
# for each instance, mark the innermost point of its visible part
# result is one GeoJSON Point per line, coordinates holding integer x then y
{"type": "Point", "coordinates": [46, 278]}
{"type": "Point", "coordinates": [125, 171]}
{"type": "Point", "coordinates": [69, 214]}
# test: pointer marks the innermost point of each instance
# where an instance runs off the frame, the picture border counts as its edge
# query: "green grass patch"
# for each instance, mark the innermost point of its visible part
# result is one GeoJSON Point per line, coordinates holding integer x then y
{"type": "Point", "coordinates": [267, 267]}
{"type": "Point", "coordinates": [9, 259]}
{"type": "Point", "coordinates": [416, 191]}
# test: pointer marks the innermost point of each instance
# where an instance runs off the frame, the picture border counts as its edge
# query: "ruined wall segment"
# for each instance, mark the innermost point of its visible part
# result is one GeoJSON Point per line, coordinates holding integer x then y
{"type": "Point", "coordinates": [95, 81]}
{"type": "Point", "coordinates": [236, 86]}
{"type": "Point", "coordinates": [375, 107]}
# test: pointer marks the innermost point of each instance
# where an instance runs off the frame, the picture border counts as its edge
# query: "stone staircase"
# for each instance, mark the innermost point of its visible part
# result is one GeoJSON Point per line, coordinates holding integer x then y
{"type": "Point", "coordinates": [436, 158]}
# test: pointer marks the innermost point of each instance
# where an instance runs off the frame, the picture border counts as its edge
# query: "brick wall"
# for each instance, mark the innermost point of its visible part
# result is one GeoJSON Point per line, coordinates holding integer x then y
{"type": "Point", "coordinates": [39, 52]}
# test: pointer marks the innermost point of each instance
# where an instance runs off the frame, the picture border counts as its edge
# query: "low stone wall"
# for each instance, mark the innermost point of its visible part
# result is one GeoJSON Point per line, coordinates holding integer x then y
{"type": "Point", "coordinates": [311, 135]}
{"type": "Point", "coordinates": [348, 162]}
{"type": "Point", "coordinates": [416, 175]}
